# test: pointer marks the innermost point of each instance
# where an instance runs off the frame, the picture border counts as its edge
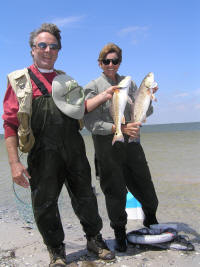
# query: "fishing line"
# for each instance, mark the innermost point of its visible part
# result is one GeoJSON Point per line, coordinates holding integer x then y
{"type": "Point", "coordinates": [17, 194]}
{"type": "Point", "coordinates": [23, 198]}
{"type": "Point", "coordinates": [21, 193]}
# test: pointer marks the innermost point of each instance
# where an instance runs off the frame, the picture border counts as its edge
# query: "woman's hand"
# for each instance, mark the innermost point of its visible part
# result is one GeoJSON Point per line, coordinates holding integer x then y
{"type": "Point", "coordinates": [132, 129]}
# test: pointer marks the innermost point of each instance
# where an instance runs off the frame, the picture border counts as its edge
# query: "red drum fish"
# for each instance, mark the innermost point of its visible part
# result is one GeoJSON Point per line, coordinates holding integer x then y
{"type": "Point", "coordinates": [119, 100]}
{"type": "Point", "coordinates": [143, 97]}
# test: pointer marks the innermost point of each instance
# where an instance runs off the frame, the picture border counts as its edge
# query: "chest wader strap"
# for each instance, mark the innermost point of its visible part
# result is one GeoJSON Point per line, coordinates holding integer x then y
{"type": "Point", "coordinates": [39, 84]}
{"type": "Point", "coordinates": [21, 84]}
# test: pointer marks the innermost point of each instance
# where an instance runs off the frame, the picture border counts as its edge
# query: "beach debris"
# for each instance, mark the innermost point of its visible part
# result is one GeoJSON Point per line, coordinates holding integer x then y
{"type": "Point", "coordinates": [179, 243]}
{"type": "Point", "coordinates": [143, 97]}
{"type": "Point", "coordinates": [151, 236]}
{"type": "Point", "coordinates": [7, 255]}
{"type": "Point", "coordinates": [164, 237]}
{"type": "Point", "coordinates": [27, 227]}
{"type": "Point", "coordinates": [119, 100]}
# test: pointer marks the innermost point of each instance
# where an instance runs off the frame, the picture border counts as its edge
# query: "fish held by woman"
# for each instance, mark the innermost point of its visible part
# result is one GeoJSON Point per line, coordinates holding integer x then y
{"type": "Point", "coordinates": [143, 98]}
{"type": "Point", "coordinates": [119, 100]}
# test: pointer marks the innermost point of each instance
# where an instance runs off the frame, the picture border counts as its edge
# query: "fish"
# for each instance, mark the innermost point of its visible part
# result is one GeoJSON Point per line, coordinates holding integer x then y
{"type": "Point", "coordinates": [143, 97]}
{"type": "Point", "coordinates": [119, 100]}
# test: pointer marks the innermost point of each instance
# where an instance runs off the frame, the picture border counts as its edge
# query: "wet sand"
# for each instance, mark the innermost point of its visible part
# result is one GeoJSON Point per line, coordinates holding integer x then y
{"type": "Point", "coordinates": [176, 175]}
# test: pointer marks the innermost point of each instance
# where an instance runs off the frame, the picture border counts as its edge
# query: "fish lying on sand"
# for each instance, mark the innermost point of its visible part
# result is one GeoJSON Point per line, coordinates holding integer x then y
{"type": "Point", "coordinates": [119, 101]}
{"type": "Point", "coordinates": [143, 97]}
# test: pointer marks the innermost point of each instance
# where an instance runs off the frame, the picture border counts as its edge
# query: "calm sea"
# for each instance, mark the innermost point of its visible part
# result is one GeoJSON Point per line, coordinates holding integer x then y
{"type": "Point", "coordinates": [173, 155]}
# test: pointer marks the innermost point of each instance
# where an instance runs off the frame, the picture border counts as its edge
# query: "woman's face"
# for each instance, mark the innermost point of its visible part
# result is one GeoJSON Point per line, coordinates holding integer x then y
{"type": "Point", "coordinates": [110, 64]}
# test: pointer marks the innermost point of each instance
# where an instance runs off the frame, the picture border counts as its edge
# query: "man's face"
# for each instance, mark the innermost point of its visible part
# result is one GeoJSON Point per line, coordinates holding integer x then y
{"type": "Point", "coordinates": [45, 58]}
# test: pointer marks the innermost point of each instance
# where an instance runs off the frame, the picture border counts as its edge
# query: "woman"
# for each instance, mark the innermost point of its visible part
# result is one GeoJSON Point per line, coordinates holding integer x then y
{"type": "Point", "coordinates": [123, 165]}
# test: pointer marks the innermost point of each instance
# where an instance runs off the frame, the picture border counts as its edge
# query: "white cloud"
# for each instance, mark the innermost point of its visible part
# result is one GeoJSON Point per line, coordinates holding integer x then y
{"type": "Point", "coordinates": [136, 33]}
{"type": "Point", "coordinates": [190, 93]}
{"type": "Point", "coordinates": [133, 29]}
{"type": "Point", "coordinates": [181, 107]}
{"type": "Point", "coordinates": [182, 95]}
{"type": "Point", "coordinates": [65, 22]}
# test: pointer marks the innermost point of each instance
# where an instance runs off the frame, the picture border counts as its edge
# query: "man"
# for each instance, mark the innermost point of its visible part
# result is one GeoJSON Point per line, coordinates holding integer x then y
{"type": "Point", "coordinates": [56, 149]}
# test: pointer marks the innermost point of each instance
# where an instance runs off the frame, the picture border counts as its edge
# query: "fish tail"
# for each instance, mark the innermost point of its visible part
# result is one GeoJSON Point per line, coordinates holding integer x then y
{"type": "Point", "coordinates": [118, 137]}
{"type": "Point", "coordinates": [132, 139]}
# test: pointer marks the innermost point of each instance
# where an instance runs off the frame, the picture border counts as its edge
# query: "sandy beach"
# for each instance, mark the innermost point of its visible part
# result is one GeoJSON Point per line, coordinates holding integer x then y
{"type": "Point", "coordinates": [21, 245]}
{"type": "Point", "coordinates": [178, 190]}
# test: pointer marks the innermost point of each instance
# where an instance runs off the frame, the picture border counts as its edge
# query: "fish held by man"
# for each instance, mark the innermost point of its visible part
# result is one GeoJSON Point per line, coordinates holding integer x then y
{"type": "Point", "coordinates": [119, 100]}
{"type": "Point", "coordinates": [143, 98]}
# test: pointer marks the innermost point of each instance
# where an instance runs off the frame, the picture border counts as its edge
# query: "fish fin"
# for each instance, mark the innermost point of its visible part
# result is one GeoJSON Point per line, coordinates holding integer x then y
{"type": "Point", "coordinates": [144, 120]}
{"type": "Point", "coordinates": [129, 100]}
{"type": "Point", "coordinates": [118, 137]}
{"type": "Point", "coordinates": [153, 98]}
{"type": "Point", "coordinates": [111, 110]}
{"type": "Point", "coordinates": [154, 84]}
{"type": "Point", "coordinates": [116, 91]}
{"type": "Point", "coordinates": [132, 139]}
{"type": "Point", "coordinates": [149, 92]}
{"type": "Point", "coordinates": [123, 120]}
{"type": "Point", "coordinates": [132, 112]}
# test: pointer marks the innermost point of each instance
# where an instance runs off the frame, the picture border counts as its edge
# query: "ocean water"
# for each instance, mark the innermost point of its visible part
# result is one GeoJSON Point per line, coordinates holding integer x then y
{"type": "Point", "coordinates": [173, 155]}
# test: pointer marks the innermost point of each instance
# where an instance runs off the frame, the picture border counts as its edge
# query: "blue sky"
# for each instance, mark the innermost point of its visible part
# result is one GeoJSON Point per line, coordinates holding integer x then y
{"type": "Point", "coordinates": [158, 36]}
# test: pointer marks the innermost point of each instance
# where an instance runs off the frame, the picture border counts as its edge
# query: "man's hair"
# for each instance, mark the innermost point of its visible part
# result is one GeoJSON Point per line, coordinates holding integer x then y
{"type": "Point", "coordinates": [110, 48]}
{"type": "Point", "coordinates": [46, 27]}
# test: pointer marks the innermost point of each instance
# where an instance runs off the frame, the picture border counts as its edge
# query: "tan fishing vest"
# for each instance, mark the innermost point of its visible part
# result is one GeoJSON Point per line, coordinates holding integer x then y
{"type": "Point", "coordinates": [21, 84]}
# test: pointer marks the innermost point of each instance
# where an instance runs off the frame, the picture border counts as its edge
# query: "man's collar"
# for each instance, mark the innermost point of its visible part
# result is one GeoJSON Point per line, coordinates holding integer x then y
{"type": "Point", "coordinates": [45, 71]}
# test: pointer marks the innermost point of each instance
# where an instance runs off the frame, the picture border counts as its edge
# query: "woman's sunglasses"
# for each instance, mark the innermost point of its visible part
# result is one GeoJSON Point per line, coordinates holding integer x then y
{"type": "Point", "coordinates": [114, 61]}
{"type": "Point", "coordinates": [44, 45]}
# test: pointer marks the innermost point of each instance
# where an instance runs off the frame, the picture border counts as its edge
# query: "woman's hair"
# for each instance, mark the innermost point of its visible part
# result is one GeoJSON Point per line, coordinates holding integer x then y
{"type": "Point", "coordinates": [110, 48]}
{"type": "Point", "coordinates": [46, 27]}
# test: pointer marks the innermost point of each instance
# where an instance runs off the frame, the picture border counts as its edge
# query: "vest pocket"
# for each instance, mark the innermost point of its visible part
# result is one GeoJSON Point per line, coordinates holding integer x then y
{"type": "Point", "coordinates": [25, 135]}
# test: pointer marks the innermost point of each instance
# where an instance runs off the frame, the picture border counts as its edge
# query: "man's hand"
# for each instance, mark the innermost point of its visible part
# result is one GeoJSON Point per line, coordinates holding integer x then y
{"type": "Point", "coordinates": [132, 129]}
{"type": "Point", "coordinates": [19, 174]}
{"type": "Point", "coordinates": [18, 171]}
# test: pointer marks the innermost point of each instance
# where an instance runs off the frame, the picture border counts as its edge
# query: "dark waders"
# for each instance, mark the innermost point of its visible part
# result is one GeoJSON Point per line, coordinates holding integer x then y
{"type": "Point", "coordinates": [123, 166]}
{"type": "Point", "coordinates": [58, 157]}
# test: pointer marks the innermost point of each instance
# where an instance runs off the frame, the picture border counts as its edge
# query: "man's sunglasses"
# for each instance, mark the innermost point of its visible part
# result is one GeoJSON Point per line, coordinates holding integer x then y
{"type": "Point", "coordinates": [43, 45]}
{"type": "Point", "coordinates": [114, 61]}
